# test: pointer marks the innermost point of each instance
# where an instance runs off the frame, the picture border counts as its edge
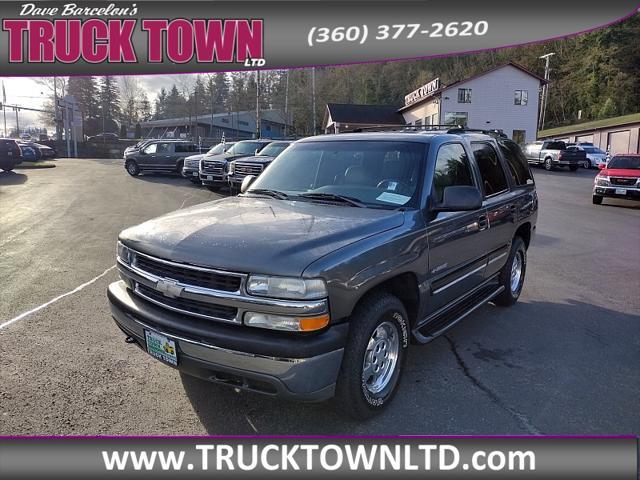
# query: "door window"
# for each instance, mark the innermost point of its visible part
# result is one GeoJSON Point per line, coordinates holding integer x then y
{"type": "Point", "coordinates": [164, 148]}
{"type": "Point", "coordinates": [493, 178]}
{"type": "Point", "coordinates": [452, 168]}
{"type": "Point", "coordinates": [519, 136]}
{"type": "Point", "coordinates": [151, 149]}
{"type": "Point", "coordinates": [517, 162]}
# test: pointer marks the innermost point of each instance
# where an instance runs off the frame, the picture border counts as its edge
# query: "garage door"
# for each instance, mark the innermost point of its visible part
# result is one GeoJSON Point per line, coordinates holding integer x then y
{"type": "Point", "coordinates": [619, 142]}
{"type": "Point", "coordinates": [585, 138]}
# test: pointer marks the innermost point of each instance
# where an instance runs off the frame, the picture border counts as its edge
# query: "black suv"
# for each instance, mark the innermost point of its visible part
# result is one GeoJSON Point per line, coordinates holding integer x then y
{"type": "Point", "coordinates": [313, 281]}
{"type": "Point", "coordinates": [10, 154]}
{"type": "Point", "coordinates": [160, 156]}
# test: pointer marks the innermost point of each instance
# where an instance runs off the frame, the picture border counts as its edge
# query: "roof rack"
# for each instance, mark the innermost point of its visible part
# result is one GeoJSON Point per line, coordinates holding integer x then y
{"type": "Point", "coordinates": [451, 129]}
{"type": "Point", "coordinates": [400, 127]}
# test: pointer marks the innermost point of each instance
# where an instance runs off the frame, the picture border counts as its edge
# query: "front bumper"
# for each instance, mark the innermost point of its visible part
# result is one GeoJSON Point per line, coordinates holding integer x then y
{"type": "Point", "coordinates": [303, 368]}
{"type": "Point", "coordinates": [212, 179]}
{"type": "Point", "coordinates": [630, 193]}
{"type": "Point", "coordinates": [191, 173]}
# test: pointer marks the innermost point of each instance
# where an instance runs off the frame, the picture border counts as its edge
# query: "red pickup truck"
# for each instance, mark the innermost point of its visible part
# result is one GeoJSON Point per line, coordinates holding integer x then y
{"type": "Point", "coordinates": [620, 178]}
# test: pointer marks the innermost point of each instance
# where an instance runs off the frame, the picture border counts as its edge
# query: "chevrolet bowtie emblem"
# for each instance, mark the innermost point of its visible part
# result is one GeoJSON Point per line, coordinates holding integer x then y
{"type": "Point", "coordinates": [169, 288]}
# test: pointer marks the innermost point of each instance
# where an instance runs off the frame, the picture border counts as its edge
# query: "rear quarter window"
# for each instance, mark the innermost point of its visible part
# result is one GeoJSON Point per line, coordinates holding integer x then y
{"type": "Point", "coordinates": [517, 162]}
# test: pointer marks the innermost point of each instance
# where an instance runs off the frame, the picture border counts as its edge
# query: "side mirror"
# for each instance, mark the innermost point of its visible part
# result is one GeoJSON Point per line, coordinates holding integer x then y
{"type": "Point", "coordinates": [246, 183]}
{"type": "Point", "coordinates": [602, 166]}
{"type": "Point", "coordinates": [460, 199]}
{"type": "Point", "coordinates": [257, 151]}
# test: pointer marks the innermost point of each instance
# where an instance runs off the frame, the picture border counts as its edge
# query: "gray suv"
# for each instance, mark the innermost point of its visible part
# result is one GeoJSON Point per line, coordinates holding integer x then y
{"type": "Point", "coordinates": [313, 282]}
{"type": "Point", "coordinates": [159, 156]}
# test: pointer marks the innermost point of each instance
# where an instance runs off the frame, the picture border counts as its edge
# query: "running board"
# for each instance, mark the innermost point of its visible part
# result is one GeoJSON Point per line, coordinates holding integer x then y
{"type": "Point", "coordinates": [449, 315]}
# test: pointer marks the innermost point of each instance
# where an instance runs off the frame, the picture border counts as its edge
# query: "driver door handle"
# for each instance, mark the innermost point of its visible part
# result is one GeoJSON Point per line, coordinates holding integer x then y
{"type": "Point", "coordinates": [483, 222]}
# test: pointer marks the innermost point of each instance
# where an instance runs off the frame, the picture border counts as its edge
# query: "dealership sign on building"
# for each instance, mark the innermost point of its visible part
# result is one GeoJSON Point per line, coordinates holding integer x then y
{"type": "Point", "coordinates": [422, 92]}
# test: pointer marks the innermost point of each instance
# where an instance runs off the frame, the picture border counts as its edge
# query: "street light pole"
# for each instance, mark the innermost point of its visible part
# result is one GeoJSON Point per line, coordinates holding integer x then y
{"type": "Point", "coordinates": [258, 126]}
{"type": "Point", "coordinates": [545, 89]}
{"type": "Point", "coordinates": [313, 99]}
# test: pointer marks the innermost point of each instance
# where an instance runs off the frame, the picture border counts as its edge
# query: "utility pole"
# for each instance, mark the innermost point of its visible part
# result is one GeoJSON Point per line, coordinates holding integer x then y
{"type": "Point", "coordinates": [313, 100]}
{"type": "Point", "coordinates": [258, 126]}
{"type": "Point", "coordinates": [4, 109]}
{"type": "Point", "coordinates": [545, 89]}
{"type": "Point", "coordinates": [286, 106]}
{"type": "Point", "coordinates": [17, 121]}
{"type": "Point", "coordinates": [56, 109]}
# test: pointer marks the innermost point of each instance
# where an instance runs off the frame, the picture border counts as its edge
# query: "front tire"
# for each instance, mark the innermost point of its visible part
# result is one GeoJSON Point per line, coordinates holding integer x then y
{"type": "Point", "coordinates": [179, 166]}
{"type": "Point", "coordinates": [512, 274]}
{"type": "Point", "coordinates": [587, 164]}
{"type": "Point", "coordinates": [132, 168]}
{"type": "Point", "coordinates": [374, 356]}
{"type": "Point", "coordinates": [596, 199]}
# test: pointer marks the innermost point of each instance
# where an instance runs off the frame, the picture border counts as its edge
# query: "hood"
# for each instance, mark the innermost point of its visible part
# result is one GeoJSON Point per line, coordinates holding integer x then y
{"type": "Point", "coordinates": [257, 159]}
{"type": "Point", "coordinates": [620, 172]}
{"type": "Point", "coordinates": [194, 158]}
{"type": "Point", "coordinates": [259, 235]}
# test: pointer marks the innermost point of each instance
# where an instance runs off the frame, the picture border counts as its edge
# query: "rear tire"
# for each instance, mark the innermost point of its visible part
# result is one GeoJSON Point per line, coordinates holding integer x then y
{"type": "Point", "coordinates": [132, 168]}
{"type": "Point", "coordinates": [587, 164]}
{"type": "Point", "coordinates": [373, 357]}
{"type": "Point", "coordinates": [548, 164]}
{"type": "Point", "coordinates": [512, 274]}
{"type": "Point", "coordinates": [179, 166]}
{"type": "Point", "coordinates": [596, 199]}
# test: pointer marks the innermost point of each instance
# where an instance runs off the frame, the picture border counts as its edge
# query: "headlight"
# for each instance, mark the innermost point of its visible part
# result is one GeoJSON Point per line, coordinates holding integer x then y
{"type": "Point", "coordinates": [232, 167]}
{"type": "Point", "coordinates": [285, 287]}
{"type": "Point", "coordinates": [124, 254]}
{"type": "Point", "coordinates": [602, 181]}
{"type": "Point", "coordinates": [290, 324]}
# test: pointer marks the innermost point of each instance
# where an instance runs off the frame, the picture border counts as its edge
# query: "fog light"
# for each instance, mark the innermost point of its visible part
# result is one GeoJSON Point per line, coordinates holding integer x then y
{"type": "Point", "coordinates": [281, 322]}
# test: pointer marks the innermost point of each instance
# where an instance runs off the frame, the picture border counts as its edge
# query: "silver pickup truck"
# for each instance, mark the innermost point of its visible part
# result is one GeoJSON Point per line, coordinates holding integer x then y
{"type": "Point", "coordinates": [554, 153]}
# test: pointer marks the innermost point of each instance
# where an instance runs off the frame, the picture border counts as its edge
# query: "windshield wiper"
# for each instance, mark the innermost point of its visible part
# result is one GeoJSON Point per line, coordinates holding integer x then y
{"type": "Point", "coordinates": [354, 202]}
{"type": "Point", "coordinates": [271, 193]}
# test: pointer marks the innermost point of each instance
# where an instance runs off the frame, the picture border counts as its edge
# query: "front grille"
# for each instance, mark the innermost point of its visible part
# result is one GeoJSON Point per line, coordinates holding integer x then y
{"type": "Point", "coordinates": [213, 168]}
{"type": "Point", "coordinates": [190, 306]}
{"type": "Point", "coordinates": [626, 181]}
{"type": "Point", "coordinates": [189, 276]}
{"type": "Point", "coordinates": [248, 169]}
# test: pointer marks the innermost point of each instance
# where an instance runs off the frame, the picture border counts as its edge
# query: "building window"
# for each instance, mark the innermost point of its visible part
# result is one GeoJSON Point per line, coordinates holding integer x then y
{"type": "Point", "coordinates": [434, 119]}
{"type": "Point", "coordinates": [243, 123]}
{"type": "Point", "coordinates": [521, 97]}
{"type": "Point", "coordinates": [464, 95]}
{"type": "Point", "coordinates": [519, 136]}
{"type": "Point", "coordinates": [225, 120]}
{"type": "Point", "coordinates": [456, 118]}
{"type": "Point", "coordinates": [427, 120]}
{"type": "Point", "coordinates": [418, 123]}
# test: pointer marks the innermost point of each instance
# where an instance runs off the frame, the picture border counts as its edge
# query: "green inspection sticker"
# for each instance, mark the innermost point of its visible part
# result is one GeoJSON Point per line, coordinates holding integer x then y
{"type": "Point", "coordinates": [161, 347]}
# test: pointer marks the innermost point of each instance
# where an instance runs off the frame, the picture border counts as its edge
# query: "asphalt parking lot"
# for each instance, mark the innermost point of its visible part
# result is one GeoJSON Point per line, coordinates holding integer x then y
{"type": "Point", "coordinates": [564, 360]}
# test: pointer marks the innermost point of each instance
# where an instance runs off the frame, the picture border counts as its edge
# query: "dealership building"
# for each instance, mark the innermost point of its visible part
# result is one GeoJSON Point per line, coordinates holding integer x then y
{"type": "Point", "coordinates": [613, 135]}
{"type": "Point", "coordinates": [233, 125]}
{"type": "Point", "coordinates": [505, 98]}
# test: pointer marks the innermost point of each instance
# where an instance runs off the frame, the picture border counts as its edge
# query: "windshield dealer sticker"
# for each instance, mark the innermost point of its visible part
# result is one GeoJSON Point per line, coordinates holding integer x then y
{"type": "Point", "coordinates": [393, 198]}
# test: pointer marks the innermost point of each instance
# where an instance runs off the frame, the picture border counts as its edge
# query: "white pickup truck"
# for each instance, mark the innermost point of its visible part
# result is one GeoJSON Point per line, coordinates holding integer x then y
{"type": "Point", "coordinates": [554, 153]}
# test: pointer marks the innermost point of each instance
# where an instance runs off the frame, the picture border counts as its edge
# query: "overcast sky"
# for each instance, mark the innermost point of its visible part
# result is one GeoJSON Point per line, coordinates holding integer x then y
{"type": "Point", "coordinates": [26, 92]}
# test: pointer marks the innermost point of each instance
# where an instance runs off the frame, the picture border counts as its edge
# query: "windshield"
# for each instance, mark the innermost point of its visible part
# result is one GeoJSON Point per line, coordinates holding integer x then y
{"type": "Point", "coordinates": [632, 163]}
{"type": "Point", "coordinates": [217, 150]}
{"type": "Point", "coordinates": [377, 174]}
{"type": "Point", "coordinates": [274, 149]}
{"type": "Point", "coordinates": [245, 148]}
{"type": "Point", "coordinates": [593, 150]}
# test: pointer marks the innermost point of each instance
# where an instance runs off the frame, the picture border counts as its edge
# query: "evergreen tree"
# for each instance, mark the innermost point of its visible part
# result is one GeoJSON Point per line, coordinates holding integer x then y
{"type": "Point", "coordinates": [109, 98]}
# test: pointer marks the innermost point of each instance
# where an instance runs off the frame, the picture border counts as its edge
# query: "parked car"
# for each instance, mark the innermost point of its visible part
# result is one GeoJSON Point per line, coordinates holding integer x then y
{"type": "Point", "coordinates": [595, 156]}
{"type": "Point", "coordinates": [141, 144]}
{"type": "Point", "coordinates": [312, 282]}
{"type": "Point", "coordinates": [105, 137]}
{"type": "Point", "coordinates": [159, 155]}
{"type": "Point", "coordinates": [28, 153]}
{"type": "Point", "coordinates": [10, 155]}
{"type": "Point", "coordinates": [620, 178]}
{"type": "Point", "coordinates": [554, 153]}
{"type": "Point", "coordinates": [215, 168]}
{"type": "Point", "coordinates": [191, 167]}
{"type": "Point", "coordinates": [254, 165]}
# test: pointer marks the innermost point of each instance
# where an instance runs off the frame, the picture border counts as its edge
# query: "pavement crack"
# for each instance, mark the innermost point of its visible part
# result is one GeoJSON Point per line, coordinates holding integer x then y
{"type": "Point", "coordinates": [519, 417]}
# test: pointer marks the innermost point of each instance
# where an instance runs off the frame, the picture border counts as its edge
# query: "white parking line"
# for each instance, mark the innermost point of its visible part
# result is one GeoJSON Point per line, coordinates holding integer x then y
{"type": "Point", "coordinates": [54, 300]}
